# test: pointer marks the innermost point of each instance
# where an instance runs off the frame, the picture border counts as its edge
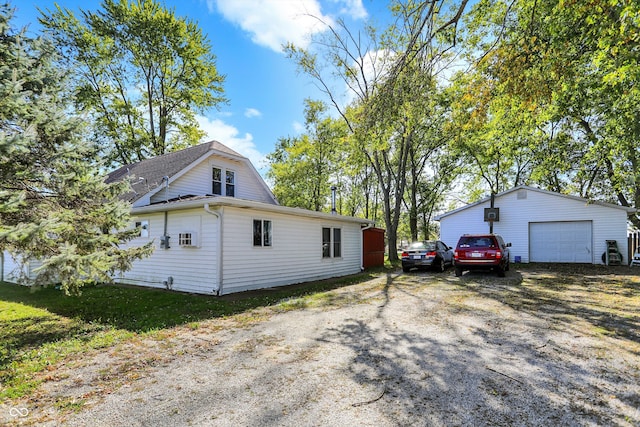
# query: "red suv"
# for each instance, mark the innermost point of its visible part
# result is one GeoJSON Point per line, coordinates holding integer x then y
{"type": "Point", "coordinates": [482, 252]}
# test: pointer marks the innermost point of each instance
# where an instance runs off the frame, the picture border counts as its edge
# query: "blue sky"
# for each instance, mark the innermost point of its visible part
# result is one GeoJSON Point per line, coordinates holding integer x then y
{"type": "Point", "coordinates": [265, 90]}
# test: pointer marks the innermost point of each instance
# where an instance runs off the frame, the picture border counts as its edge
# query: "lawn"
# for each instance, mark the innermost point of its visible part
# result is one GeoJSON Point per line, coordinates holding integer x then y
{"type": "Point", "coordinates": [40, 328]}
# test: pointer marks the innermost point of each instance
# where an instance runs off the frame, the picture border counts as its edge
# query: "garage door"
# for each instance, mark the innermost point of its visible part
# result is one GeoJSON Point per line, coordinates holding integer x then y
{"type": "Point", "coordinates": [561, 242]}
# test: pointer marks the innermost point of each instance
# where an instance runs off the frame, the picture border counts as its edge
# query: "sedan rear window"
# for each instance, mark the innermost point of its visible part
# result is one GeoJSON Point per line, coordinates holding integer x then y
{"type": "Point", "coordinates": [429, 246]}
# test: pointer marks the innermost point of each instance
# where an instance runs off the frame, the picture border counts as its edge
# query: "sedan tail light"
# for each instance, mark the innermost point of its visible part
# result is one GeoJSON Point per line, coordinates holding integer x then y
{"type": "Point", "coordinates": [433, 253]}
{"type": "Point", "coordinates": [405, 254]}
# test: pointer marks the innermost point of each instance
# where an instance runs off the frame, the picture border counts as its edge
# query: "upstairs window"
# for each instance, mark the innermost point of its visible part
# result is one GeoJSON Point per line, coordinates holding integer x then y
{"type": "Point", "coordinates": [231, 183]}
{"type": "Point", "coordinates": [217, 181]}
{"type": "Point", "coordinates": [226, 187]}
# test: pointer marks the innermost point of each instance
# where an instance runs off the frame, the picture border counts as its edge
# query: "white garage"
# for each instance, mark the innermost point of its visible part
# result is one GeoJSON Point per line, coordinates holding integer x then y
{"type": "Point", "coordinates": [544, 226]}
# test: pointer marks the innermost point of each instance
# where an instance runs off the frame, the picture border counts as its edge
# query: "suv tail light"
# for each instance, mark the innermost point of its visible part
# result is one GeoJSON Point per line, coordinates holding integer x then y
{"type": "Point", "coordinates": [498, 254]}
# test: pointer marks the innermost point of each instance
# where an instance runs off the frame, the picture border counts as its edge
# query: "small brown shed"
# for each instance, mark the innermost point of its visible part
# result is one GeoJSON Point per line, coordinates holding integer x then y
{"type": "Point", "coordinates": [372, 247]}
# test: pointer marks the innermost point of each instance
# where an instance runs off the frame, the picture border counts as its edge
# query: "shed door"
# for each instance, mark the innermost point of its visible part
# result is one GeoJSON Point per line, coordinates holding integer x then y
{"type": "Point", "coordinates": [561, 242]}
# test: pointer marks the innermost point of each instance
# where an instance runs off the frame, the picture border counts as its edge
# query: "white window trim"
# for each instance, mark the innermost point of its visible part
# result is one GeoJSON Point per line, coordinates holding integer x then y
{"type": "Point", "coordinates": [223, 180]}
{"type": "Point", "coordinates": [331, 242]}
{"type": "Point", "coordinates": [144, 232]}
{"type": "Point", "coordinates": [262, 245]}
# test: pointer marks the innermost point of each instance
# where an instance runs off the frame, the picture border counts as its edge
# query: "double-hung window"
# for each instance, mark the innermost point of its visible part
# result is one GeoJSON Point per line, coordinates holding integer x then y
{"type": "Point", "coordinates": [261, 232]}
{"type": "Point", "coordinates": [331, 242]}
{"type": "Point", "coordinates": [226, 187]}
{"type": "Point", "coordinates": [230, 183]}
{"type": "Point", "coordinates": [217, 181]}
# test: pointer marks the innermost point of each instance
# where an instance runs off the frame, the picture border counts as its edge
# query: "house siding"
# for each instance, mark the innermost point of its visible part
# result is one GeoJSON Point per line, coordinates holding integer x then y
{"type": "Point", "coordinates": [13, 270]}
{"type": "Point", "coordinates": [294, 257]}
{"type": "Point", "coordinates": [193, 269]}
{"type": "Point", "coordinates": [198, 181]}
{"type": "Point", "coordinates": [516, 213]}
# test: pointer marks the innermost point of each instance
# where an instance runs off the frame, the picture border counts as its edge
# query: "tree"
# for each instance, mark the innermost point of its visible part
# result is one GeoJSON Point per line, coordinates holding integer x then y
{"type": "Point", "coordinates": [54, 204]}
{"type": "Point", "coordinates": [385, 74]}
{"type": "Point", "coordinates": [303, 168]}
{"type": "Point", "coordinates": [572, 70]}
{"type": "Point", "coordinates": [142, 73]}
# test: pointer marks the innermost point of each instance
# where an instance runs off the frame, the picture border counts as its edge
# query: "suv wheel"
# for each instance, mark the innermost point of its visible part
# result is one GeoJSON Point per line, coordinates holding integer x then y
{"type": "Point", "coordinates": [500, 272]}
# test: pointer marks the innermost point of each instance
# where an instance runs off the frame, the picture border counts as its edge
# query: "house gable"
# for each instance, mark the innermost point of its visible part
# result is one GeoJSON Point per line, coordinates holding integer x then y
{"type": "Point", "coordinates": [188, 173]}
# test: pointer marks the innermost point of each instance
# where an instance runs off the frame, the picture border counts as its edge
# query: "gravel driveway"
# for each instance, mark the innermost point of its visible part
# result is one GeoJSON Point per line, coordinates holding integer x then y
{"type": "Point", "coordinates": [539, 347]}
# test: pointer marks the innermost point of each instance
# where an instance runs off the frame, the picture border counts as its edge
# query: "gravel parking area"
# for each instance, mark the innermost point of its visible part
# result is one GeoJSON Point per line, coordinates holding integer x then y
{"type": "Point", "coordinates": [543, 346]}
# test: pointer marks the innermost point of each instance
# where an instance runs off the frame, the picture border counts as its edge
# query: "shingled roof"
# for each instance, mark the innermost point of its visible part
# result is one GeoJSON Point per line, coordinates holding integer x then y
{"type": "Point", "coordinates": [147, 174]}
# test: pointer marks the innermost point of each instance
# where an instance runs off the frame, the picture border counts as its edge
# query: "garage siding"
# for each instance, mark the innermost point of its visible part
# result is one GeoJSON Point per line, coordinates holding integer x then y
{"type": "Point", "coordinates": [521, 206]}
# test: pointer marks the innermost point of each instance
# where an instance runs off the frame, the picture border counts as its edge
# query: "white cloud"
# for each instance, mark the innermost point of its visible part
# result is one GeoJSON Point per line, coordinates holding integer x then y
{"type": "Point", "coordinates": [298, 127]}
{"type": "Point", "coordinates": [273, 23]}
{"type": "Point", "coordinates": [375, 65]}
{"type": "Point", "coordinates": [252, 112]}
{"type": "Point", "coordinates": [353, 8]}
{"type": "Point", "coordinates": [230, 136]}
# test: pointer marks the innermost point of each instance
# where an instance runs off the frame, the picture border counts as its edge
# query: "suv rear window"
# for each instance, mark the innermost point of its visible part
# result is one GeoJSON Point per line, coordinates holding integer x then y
{"type": "Point", "coordinates": [476, 242]}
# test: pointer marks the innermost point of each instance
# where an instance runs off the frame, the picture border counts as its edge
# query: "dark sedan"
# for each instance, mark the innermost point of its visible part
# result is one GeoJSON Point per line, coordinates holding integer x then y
{"type": "Point", "coordinates": [427, 254]}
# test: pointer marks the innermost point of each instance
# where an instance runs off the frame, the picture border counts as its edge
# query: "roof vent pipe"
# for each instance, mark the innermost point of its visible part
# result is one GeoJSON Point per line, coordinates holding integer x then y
{"type": "Point", "coordinates": [333, 200]}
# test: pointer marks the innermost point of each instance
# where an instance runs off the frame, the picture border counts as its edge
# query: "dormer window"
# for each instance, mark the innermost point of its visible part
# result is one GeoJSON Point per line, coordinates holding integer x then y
{"type": "Point", "coordinates": [229, 182]}
{"type": "Point", "coordinates": [217, 181]}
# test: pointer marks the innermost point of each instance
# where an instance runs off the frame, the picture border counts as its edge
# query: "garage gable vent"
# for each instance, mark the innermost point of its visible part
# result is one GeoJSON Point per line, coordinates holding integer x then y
{"type": "Point", "coordinates": [522, 194]}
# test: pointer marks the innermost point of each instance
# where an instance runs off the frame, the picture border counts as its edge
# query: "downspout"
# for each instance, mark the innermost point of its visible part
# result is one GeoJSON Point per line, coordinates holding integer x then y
{"type": "Point", "coordinates": [1, 266]}
{"type": "Point", "coordinates": [362, 245]}
{"type": "Point", "coordinates": [218, 214]}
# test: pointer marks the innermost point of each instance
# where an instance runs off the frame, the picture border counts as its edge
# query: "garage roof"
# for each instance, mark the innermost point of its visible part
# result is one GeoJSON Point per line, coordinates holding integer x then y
{"type": "Point", "coordinates": [629, 210]}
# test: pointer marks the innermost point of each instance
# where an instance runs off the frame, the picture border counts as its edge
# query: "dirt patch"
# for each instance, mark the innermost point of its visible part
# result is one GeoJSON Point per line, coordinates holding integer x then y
{"type": "Point", "coordinates": [546, 345]}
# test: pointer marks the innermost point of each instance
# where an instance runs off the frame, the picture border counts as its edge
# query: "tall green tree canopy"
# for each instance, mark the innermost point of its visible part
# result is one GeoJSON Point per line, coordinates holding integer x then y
{"type": "Point", "coordinates": [558, 82]}
{"type": "Point", "coordinates": [141, 71]}
{"type": "Point", "coordinates": [390, 75]}
{"type": "Point", "coordinates": [303, 168]}
{"type": "Point", "coordinates": [54, 205]}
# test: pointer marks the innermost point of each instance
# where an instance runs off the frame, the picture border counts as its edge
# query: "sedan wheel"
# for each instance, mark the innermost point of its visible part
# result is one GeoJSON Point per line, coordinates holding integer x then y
{"type": "Point", "coordinates": [439, 265]}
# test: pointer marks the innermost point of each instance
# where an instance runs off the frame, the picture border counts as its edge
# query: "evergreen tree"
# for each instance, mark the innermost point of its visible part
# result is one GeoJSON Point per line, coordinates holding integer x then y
{"type": "Point", "coordinates": [54, 205]}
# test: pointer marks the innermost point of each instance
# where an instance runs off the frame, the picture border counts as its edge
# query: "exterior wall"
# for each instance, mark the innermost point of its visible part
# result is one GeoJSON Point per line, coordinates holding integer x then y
{"type": "Point", "coordinates": [193, 269]}
{"type": "Point", "coordinates": [198, 181]}
{"type": "Point", "coordinates": [294, 257]}
{"type": "Point", "coordinates": [516, 214]}
{"type": "Point", "coordinates": [12, 270]}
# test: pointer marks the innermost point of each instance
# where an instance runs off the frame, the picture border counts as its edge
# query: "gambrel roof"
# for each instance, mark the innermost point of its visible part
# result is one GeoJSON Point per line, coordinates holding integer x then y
{"type": "Point", "coordinates": [147, 176]}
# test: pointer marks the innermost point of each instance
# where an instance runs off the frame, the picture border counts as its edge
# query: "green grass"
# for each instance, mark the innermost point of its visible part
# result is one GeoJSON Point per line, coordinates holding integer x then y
{"type": "Point", "coordinates": [41, 328]}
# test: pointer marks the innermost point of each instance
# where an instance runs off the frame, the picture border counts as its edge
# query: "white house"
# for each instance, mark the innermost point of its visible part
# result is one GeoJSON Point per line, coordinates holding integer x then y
{"type": "Point", "coordinates": [218, 229]}
{"type": "Point", "coordinates": [544, 226]}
